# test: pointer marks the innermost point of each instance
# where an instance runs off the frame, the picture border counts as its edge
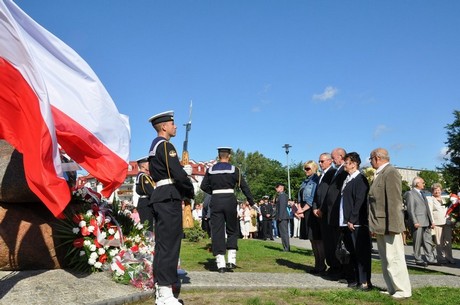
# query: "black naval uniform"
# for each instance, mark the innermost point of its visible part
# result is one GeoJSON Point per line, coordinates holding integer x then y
{"type": "Point", "coordinates": [172, 185]}
{"type": "Point", "coordinates": [220, 181]}
{"type": "Point", "coordinates": [144, 188]}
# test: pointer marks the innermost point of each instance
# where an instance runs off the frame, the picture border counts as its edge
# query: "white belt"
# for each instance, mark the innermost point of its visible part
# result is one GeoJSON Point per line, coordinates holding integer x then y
{"type": "Point", "coordinates": [165, 182]}
{"type": "Point", "coordinates": [223, 191]}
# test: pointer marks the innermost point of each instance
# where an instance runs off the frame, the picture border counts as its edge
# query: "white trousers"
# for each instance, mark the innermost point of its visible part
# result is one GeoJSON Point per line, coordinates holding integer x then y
{"type": "Point", "coordinates": [394, 268]}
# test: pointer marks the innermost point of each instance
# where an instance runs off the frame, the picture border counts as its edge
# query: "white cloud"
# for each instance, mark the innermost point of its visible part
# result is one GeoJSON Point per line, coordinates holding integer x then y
{"type": "Point", "coordinates": [443, 154]}
{"type": "Point", "coordinates": [379, 130]}
{"type": "Point", "coordinates": [329, 93]}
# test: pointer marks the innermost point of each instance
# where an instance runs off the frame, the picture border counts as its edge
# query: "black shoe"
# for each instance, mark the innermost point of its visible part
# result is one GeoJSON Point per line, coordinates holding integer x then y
{"type": "Point", "coordinates": [367, 287]}
{"type": "Point", "coordinates": [231, 266]}
{"type": "Point", "coordinates": [272, 239]}
{"type": "Point", "coordinates": [434, 264]}
{"type": "Point", "coordinates": [221, 270]}
{"type": "Point", "coordinates": [423, 264]}
{"type": "Point", "coordinates": [373, 251]}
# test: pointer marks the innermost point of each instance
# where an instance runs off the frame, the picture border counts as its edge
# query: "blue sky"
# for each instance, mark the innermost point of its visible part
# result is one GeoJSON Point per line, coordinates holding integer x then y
{"type": "Point", "coordinates": [313, 74]}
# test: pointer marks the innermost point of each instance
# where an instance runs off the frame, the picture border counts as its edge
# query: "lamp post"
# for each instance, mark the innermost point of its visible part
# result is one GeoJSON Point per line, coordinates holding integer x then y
{"type": "Point", "coordinates": [286, 148]}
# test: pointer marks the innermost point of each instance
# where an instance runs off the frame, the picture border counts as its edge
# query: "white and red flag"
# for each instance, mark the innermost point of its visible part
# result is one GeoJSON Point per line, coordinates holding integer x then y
{"type": "Point", "coordinates": [50, 95]}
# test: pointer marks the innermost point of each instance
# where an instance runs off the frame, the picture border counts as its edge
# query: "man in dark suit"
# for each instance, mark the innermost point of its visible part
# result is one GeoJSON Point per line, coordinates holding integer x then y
{"type": "Point", "coordinates": [320, 209]}
{"type": "Point", "coordinates": [421, 222]}
{"type": "Point", "coordinates": [332, 202]}
{"type": "Point", "coordinates": [172, 185]}
{"type": "Point", "coordinates": [282, 216]}
{"type": "Point", "coordinates": [386, 222]}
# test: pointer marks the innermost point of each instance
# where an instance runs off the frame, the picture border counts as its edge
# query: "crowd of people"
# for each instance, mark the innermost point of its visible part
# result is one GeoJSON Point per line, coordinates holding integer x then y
{"type": "Point", "coordinates": [337, 204]}
{"type": "Point", "coordinates": [337, 209]}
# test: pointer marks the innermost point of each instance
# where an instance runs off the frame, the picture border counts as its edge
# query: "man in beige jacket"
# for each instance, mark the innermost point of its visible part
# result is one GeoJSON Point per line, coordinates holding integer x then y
{"type": "Point", "coordinates": [386, 221]}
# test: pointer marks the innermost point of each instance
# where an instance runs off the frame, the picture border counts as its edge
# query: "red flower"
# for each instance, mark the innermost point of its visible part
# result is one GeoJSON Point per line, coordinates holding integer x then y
{"type": "Point", "coordinates": [135, 248]}
{"type": "Point", "coordinates": [103, 258]}
{"type": "Point", "coordinates": [78, 243]}
{"type": "Point", "coordinates": [85, 232]}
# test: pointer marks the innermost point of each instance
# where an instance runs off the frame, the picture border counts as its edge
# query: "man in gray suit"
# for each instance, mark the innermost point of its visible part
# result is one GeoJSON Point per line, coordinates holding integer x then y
{"type": "Point", "coordinates": [421, 222]}
{"type": "Point", "coordinates": [386, 222]}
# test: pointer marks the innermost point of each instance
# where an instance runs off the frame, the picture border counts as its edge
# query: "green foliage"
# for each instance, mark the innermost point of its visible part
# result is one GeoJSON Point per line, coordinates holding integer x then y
{"type": "Point", "coordinates": [430, 177]}
{"type": "Point", "coordinates": [405, 186]}
{"type": "Point", "coordinates": [262, 174]}
{"type": "Point", "coordinates": [199, 197]}
{"type": "Point", "coordinates": [124, 221]}
{"type": "Point", "coordinates": [194, 234]}
{"type": "Point", "coordinates": [451, 168]}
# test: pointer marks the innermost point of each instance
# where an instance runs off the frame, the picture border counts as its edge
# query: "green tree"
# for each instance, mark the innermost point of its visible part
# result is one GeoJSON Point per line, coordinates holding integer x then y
{"type": "Point", "coordinates": [451, 168]}
{"type": "Point", "coordinates": [430, 177]}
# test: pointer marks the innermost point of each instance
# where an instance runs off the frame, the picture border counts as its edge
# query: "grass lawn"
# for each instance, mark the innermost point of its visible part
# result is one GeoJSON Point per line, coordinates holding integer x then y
{"type": "Point", "coordinates": [266, 256]}
{"type": "Point", "coordinates": [259, 256]}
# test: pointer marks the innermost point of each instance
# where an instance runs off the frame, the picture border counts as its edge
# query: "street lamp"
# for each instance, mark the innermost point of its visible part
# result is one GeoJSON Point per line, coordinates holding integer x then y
{"type": "Point", "coordinates": [286, 148]}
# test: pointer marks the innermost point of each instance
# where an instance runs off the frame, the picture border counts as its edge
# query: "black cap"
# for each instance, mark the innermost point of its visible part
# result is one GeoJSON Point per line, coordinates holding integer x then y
{"type": "Point", "coordinates": [162, 117]}
{"type": "Point", "coordinates": [142, 160]}
{"type": "Point", "coordinates": [224, 149]}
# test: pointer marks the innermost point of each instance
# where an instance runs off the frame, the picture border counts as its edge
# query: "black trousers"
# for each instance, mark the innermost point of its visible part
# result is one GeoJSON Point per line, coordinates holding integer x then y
{"type": "Point", "coordinates": [168, 238]}
{"type": "Point", "coordinates": [330, 236]}
{"type": "Point", "coordinates": [358, 243]}
{"type": "Point", "coordinates": [267, 228]}
{"type": "Point", "coordinates": [145, 210]}
{"type": "Point", "coordinates": [224, 220]}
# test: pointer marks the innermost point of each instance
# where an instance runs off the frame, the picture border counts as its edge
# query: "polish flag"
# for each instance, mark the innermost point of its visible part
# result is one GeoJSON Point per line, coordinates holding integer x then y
{"type": "Point", "coordinates": [50, 95]}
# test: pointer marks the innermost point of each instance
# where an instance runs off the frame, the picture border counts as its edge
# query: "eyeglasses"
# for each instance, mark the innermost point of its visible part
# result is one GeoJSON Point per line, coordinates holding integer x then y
{"type": "Point", "coordinates": [307, 168]}
{"type": "Point", "coordinates": [322, 161]}
{"type": "Point", "coordinates": [371, 158]}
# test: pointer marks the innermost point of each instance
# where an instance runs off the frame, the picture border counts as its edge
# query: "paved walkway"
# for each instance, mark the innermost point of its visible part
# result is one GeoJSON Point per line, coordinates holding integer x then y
{"type": "Point", "coordinates": [55, 287]}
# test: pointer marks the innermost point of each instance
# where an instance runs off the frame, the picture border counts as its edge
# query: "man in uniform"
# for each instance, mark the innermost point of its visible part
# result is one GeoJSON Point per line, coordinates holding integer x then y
{"type": "Point", "coordinates": [172, 185]}
{"type": "Point", "coordinates": [144, 188]}
{"type": "Point", "coordinates": [282, 216]}
{"type": "Point", "coordinates": [266, 210]}
{"type": "Point", "coordinates": [220, 181]}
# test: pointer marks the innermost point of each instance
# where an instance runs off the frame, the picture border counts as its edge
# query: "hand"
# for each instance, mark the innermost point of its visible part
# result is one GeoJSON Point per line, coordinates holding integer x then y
{"type": "Point", "coordinates": [416, 225]}
{"type": "Point", "coordinates": [351, 226]}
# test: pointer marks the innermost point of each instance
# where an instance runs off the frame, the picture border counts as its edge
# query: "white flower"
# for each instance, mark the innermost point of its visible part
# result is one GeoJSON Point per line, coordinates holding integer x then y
{"type": "Point", "coordinates": [111, 231]}
{"type": "Point", "coordinates": [82, 224]}
{"type": "Point", "coordinates": [91, 229]}
{"type": "Point", "coordinates": [103, 234]}
{"type": "Point", "coordinates": [117, 235]}
{"type": "Point", "coordinates": [98, 265]}
{"type": "Point", "coordinates": [82, 253]}
{"type": "Point", "coordinates": [75, 230]}
{"type": "Point", "coordinates": [92, 247]}
{"type": "Point", "coordinates": [113, 252]}
{"type": "Point", "coordinates": [87, 243]}
{"type": "Point", "coordinates": [89, 212]}
{"type": "Point", "coordinates": [93, 255]}
{"type": "Point", "coordinates": [91, 261]}
{"type": "Point", "coordinates": [139, 226]}
{"type": "Point", "coordinates": [137, 239]}
{"type": "Point", "coordinates": [100, 251]}
{"type": "Point", "coordinates": [99, 219]}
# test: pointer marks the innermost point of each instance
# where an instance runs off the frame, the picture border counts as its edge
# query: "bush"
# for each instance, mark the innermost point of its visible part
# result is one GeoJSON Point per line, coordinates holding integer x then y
{"type": "Point", "coordinates": [194, 234]}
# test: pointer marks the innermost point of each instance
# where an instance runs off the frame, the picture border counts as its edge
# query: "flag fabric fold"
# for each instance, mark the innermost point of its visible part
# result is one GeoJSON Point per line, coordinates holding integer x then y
{"type": "Point", "coordinates": [50, 95]}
